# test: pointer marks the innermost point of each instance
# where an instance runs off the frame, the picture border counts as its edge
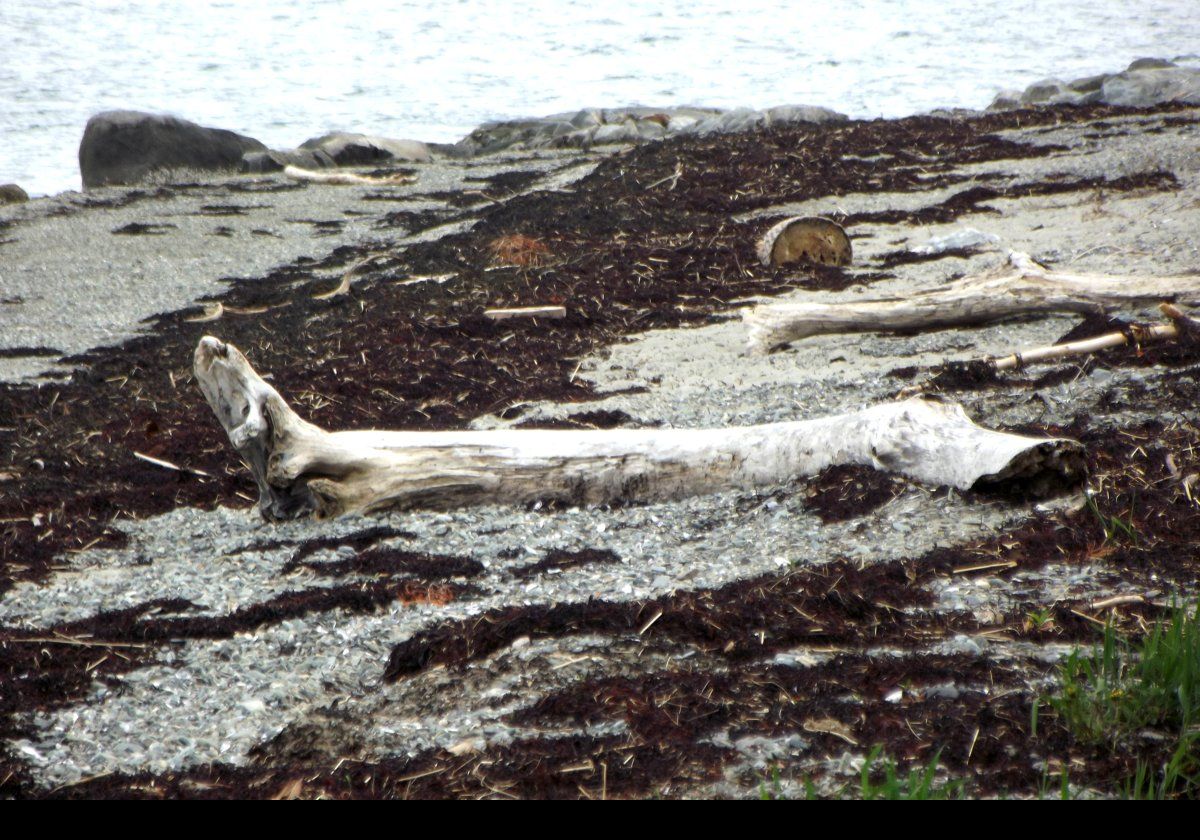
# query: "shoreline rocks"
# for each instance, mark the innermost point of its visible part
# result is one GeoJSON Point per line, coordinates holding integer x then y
{"type": "Point", "coordinates": [1145, 82]}
{"type": "Point", "coordinates": [609, 126]}
{"type": "Point", "coordinates": [127, 147]}
{"type": "Point", "coordinates": [339, 148]}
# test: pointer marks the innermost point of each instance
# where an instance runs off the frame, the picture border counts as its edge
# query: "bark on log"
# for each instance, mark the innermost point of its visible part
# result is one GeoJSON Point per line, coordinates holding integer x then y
{"type": "Point", "coordinates": [805, 238]}
{"type": "Point", "coordinates": [1021, 288]}
{"type": "Point", "coordinates": [302, 469]}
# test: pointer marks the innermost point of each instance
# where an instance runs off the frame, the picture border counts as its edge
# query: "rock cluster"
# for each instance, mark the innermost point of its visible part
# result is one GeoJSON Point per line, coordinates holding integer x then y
{"type": "Point", "coordinates": [605, 126]}
{"type": "Point", "coordinates": [128, 147]}
{"type": "Point", "coordinates": [1146, 82]}
{"type": "Point", "coordinates": [338, 149]}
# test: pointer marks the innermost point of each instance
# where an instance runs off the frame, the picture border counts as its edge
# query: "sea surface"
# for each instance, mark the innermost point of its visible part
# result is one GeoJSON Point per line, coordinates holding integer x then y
{"type": "Point", "coordinates": [287, 70]}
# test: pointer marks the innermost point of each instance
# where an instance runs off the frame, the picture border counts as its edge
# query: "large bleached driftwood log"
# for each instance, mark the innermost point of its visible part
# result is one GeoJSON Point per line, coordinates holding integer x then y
{"type": "Point", "coordinates": [1020, 288]}
{"type": "Point", "coordinates": [302, 469]}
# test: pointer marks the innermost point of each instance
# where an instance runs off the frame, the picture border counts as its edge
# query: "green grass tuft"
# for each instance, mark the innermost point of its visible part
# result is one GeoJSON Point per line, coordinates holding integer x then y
{"type": "Point", "coordinates": [1122, 691]}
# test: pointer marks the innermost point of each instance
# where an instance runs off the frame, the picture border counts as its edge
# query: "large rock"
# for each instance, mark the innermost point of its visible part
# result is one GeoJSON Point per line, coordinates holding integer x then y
{"type": "Point", "coordinates": [12, 194]}
{"type": "Point", "coordinates": [1146, 82]}
{"type": "Point", "coordinates": [1153, 85]}
{"type": "Point", "coordinates": [125, 147]}
{"type": "Point", "coordinates": [346, 149]}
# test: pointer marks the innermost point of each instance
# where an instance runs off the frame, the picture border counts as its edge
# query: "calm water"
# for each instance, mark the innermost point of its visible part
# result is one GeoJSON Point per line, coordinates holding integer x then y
{"type": "Point", "coordinates": [285, 70]}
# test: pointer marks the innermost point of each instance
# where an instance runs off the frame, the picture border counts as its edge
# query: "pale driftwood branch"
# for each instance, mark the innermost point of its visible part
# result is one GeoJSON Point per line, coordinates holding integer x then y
{"type": "Point", "coordinates": [526, 312]}
{"type": "Point", "coordinates": [1021, 288]}
{"type": "Point", "coordinates": [313, 176]}
{"type": "Point", "coordinates": [302, 469]}
{"type": "Point", "coordinates": [1084, 347]}
{"type": "Point", "coordinates": [1181, 326]}
{"type": "Point", "coordinates": [216, 311]}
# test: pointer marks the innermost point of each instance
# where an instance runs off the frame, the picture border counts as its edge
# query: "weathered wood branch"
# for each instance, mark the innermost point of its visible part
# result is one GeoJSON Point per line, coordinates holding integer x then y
{"type": "Point", "coordinates": [352, 179]}
{"type": "Point", "coordinates": [1181, 326]}
{"type": "Point", "coordinates": [1021, 288]}
{"type": "Point", "coordinates": [302, 469]}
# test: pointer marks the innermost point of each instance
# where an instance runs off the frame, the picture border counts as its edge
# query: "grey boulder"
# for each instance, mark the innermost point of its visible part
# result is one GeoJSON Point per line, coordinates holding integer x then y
{"type": "Point", "coordinates": [12, 194]}
{"type": "Point", "coordinates": [1153, 85]}
{"type": "Point", "coordinates": [346, 149]}
{"type": "Point", "coordinates": [126, 147]}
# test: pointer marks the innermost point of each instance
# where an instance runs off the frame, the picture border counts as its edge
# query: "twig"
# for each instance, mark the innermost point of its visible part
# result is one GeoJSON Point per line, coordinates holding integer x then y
{"type": "Point", "coordinates": [673, 177]}
{"type": "Point", "coordinates": [650, 623]}
{"type": "Point", "coordinates": [37, 640]}
{"type": "Point", "coordinates": [526, 312]}
{"type": "Point", "coordinates": [167, 465]}
{"type": "Point", "coordinates": [1008, 564]}
{"type": "Point", "coordinates": [1117, 601]}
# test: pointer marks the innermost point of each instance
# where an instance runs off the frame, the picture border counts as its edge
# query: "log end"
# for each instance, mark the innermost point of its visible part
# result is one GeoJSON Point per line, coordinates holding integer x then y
{"type": "Point", "coordinates": [1055, 467]}
{"type": "Point", "coordinates": [810, 239]}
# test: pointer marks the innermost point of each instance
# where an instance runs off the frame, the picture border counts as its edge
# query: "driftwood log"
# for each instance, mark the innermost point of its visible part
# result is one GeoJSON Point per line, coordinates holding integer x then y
{"type": "Point", "coordinates": [302, 469]}
{"type": "Point", "coordinates": [1020, 288]}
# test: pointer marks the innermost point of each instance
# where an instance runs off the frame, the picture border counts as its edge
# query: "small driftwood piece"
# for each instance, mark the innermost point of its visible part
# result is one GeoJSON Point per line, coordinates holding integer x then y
{"type": "Point", "coordinates": [302, 469]}
{"type": "Point", "coordinates": [1181, 326]}
{"type": "Point", "coordinates": [314, 176]}
{"type": "Point", "coordinates": [216, 311]}
{"type": "Point", "coordinates": [526, 312]}
{"type": "Point", "coordinates": [805, 239]}
{"type": "Point", "coordinates": [1020, 288]}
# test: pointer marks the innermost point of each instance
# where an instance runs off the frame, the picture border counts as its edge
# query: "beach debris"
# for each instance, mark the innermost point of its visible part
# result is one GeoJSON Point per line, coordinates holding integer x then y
{"type": "Point", "coordinates": [347, 178]}
{"type": "Point", "coordinates": [343, 285]}
{"type": "Point", "coordinates": [805, 239]}
{"type": "Point", "coordinates": [830, 726]}
{"type": "Point", "coordinates": [526, 312]}
{"type": "Point", "coordinates": [167, 465]}
{"type": "Point", "coordinates": [215, 311]}
{"type": "Point", "coordinates": [1021, 287]}
{"type": "Point", "coordinates": [967, 237]}
{"type": "Point", "coordinates": [519, 250]}
{"type": "Point", "coordinates": [1181, 325]}
{"type": "Point", "coordinates": [303, 470]}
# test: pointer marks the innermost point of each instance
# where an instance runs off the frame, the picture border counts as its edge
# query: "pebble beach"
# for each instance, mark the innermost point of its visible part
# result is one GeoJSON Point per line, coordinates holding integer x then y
{"type": "Point", "coordinates": [158, 639]}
